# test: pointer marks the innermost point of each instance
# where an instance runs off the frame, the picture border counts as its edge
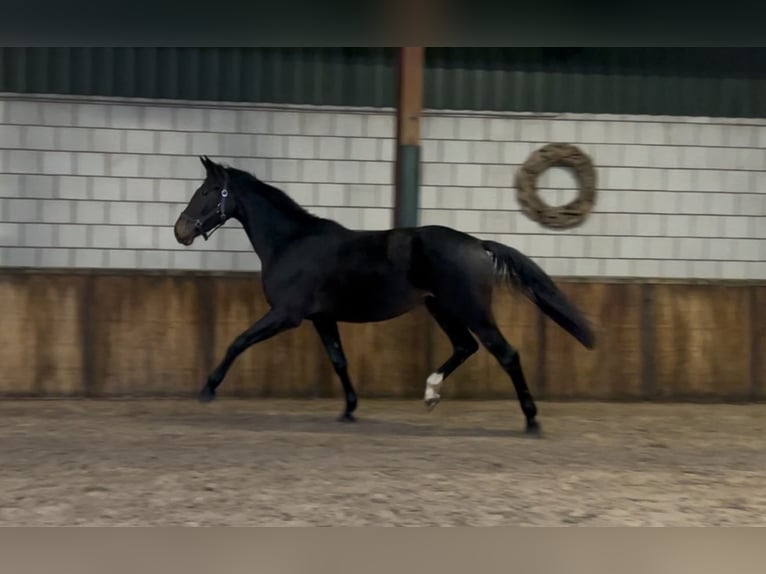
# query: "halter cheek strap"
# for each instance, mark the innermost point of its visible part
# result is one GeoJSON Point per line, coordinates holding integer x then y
{"type": "Point", "coordinates": [219, 211]}
{"type": "Point", "coordinates": [222, 203]}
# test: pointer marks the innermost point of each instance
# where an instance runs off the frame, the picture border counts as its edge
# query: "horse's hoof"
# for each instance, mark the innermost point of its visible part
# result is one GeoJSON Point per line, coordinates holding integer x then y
{"type": "Point", "coordinates": [206, 394]}
{"type": "Point", "coordinates": [347, 418]}
{"type": "Point", "coordinates": [533, 428]}
{"type": "Point", "coordinates": [432, 402]}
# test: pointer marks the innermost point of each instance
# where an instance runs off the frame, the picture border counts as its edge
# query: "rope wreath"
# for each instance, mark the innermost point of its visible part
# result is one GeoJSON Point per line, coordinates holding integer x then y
{"type": "Point", "coordinates": [558, 217]}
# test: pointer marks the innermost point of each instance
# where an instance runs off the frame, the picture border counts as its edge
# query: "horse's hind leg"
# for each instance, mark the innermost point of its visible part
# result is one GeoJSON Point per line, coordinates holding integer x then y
{"type": "Point", "coordinates": [461, 275]}
{"type": "Point", "coordinates": [508, 357]}
{"type": "Point", "coordinates": [463, 346]}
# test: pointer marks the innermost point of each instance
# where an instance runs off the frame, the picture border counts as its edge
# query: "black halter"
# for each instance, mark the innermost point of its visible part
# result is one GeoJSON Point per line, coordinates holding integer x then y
{"type": "Point", "coordinates": [219, 212]}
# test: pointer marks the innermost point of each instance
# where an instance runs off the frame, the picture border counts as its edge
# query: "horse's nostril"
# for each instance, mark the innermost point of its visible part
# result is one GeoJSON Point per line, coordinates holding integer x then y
{"type": "Point", "coordinates": [183, 231]}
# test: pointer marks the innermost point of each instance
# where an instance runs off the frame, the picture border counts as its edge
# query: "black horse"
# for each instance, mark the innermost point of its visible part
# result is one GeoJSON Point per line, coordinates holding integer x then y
{"type": "Point", "coordinates": [317, 269]}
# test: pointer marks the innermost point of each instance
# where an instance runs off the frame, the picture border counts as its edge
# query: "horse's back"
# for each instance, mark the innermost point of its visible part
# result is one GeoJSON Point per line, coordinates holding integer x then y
{"type": "Point", "coordinates": [387, 273]}
{"type": "Point", "coordinates": [364, 276]}
{"type": "Point", "coordinates": [455, 268]}
{"type": "Point", "coordinates": [441, 254]}
{"type": "Point", "coordinates": [353, 276]}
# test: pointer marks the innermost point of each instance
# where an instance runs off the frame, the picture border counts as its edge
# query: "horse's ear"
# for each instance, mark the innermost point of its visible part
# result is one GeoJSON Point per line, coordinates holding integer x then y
{"type": "Point", "coordinates": [212, 168]}
{"type": "Point", "coordinates": [215, 170]}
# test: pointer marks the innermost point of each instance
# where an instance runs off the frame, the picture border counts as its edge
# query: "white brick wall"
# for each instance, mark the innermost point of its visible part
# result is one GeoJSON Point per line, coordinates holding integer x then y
{"type": "Point", "coordinates": [677, 197]}
{"type": "Point", "coordinates": [99, 183]}
{"type": "Point", "coordinates": [88, 182]}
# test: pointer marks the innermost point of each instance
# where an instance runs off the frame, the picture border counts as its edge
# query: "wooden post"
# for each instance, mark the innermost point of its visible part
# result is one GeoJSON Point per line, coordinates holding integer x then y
{"type": "Point", "coordinates": [410, 103]}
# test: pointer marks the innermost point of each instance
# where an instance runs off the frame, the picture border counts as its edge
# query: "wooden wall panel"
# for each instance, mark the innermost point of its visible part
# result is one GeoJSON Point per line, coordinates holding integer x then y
{"type": "Point", "coordinates": [384, 359]}
{"type": "Point", "coordinates": [18, 338]}
{"type": "Point", "coordinates": [145, 335]}
{"type": "Point", "coordinates": [387, 359]}
{"type": "Point", "coordinates": [702, 341]}
{"type": "Point", "coordinates": [613, 368]}
{"type": "Point", "coordinates": [292, 363]}
{"type": "Point", "coordinates": [758, 344]}
{"type": "Point", "coordinates": [151, 334]}
{"type": "Point", "coordinates": [41, 346]}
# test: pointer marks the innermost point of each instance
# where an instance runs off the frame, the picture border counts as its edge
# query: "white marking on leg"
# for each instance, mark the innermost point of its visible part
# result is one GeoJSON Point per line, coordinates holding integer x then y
{"type": "Point", "coordinates": [433, 383]}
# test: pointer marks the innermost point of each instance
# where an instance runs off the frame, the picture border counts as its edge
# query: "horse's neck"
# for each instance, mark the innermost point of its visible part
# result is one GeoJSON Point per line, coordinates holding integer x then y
{"type": "Point", "coordinates": [267, 226]}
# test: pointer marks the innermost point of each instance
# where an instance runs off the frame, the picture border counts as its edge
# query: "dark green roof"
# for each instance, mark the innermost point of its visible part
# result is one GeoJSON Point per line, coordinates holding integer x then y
{"type": "Point", "coordinates": [666, 81]}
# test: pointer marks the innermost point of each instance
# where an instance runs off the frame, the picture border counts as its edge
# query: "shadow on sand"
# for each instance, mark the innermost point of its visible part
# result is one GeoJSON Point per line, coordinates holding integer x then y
{"type": "Point", "coordinates": [326, 423]}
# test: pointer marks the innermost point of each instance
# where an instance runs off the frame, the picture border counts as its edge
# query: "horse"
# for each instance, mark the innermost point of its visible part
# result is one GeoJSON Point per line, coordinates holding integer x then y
{"type": "Point", "coordinates": [315, 269]}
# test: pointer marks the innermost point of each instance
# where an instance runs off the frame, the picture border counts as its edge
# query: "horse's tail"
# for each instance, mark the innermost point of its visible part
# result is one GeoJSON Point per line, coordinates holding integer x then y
{"type": "Point", "coordinates": [526, 276]}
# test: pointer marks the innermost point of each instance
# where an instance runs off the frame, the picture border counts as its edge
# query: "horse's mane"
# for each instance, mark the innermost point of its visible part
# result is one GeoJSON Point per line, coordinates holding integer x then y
{"type": "Point", "coordinates": [279, 199]}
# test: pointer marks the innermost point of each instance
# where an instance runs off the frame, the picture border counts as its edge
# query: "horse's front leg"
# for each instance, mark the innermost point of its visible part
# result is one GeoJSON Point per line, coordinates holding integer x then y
{"type": "Point", "coordinates": [272, 323]}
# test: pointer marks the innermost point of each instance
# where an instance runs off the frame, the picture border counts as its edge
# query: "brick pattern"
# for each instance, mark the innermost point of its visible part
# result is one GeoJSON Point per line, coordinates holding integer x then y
{"type": "Point", "coordinates": [85, 184]}
{"type": "Point", "coordinates": [88, 183]}
{"type": "Point", "coordinates": [677, 197]}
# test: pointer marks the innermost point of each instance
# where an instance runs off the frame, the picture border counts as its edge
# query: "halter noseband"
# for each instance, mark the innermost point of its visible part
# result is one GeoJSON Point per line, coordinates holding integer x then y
{"type": "Point", "coordinates": [219, 211]}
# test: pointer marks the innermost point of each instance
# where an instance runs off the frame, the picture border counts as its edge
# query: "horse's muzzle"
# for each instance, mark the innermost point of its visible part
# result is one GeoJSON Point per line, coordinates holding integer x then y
{"type": "Point", "coordinates": [185, 231]}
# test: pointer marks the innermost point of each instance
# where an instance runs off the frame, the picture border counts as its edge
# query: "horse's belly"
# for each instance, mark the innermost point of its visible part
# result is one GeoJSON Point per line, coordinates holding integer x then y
{"type": "Point", "coordinates": [366, 301]}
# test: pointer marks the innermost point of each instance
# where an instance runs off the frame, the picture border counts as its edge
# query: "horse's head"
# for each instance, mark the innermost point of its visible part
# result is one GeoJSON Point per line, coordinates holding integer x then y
{"type": "Point", "coordinates": [209, 207]}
